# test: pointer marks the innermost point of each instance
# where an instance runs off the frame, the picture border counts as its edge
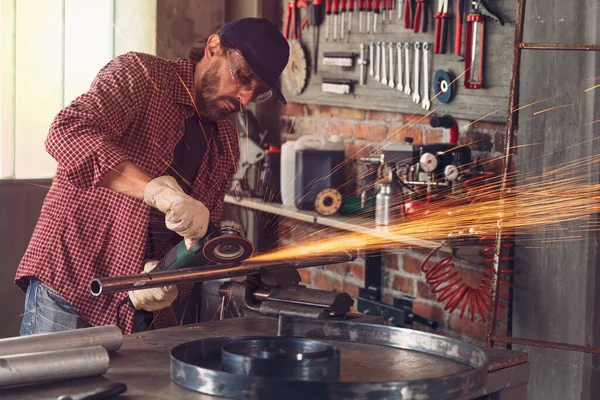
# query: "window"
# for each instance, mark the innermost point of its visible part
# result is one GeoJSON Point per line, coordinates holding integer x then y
{"type": "Point", "coordinates": [51, 52]}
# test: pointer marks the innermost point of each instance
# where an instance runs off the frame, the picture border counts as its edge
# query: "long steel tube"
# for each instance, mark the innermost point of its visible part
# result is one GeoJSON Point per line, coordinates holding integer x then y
{"type": "Point", "coordinates": [110, 337]}
{"type": "Point", "coordinates": [551, 345]}
{"type": "Point", "coordinates": [48, 366]}
{"type": "Point", "coordinates": [560, 46]}
{"type": "Point", "coordinates": [100, 286]}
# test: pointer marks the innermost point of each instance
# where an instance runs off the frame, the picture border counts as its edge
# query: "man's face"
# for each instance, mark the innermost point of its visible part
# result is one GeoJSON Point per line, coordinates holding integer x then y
{"type": "Point", "coordinates": [214, 98]}
{"type": "Point", "coordinates": [226, 84]}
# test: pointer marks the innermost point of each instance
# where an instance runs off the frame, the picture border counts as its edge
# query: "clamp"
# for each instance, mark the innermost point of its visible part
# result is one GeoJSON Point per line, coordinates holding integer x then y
{"type": "Point", "coordinates": [475, 22]}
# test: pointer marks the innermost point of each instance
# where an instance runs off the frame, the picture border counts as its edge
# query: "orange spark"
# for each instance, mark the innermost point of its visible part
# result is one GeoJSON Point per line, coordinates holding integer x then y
{"type": "Point", "coordinates": [592, 88]}
{"type": "Point", "coordinates": [485, 116]}
{"type": "Point", "coordinates": [553, 108]}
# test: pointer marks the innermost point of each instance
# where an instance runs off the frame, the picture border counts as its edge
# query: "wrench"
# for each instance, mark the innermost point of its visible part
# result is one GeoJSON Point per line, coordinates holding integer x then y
{"type": "Point", "coordinates": [378, 62]}
{"type": "Point", "coordinates": [426, 104]}
{"type": "Point", "coordinates": [400, 86]}
{"type": "Point", "coordinates": [416, 97]}
{"type": "Point", "coordinates": [391, 53]}
{"type": "Point", "coordinates": [362, 62]}
{"type": "Point", "coordinates": [371, 59]}
{"type": "Point", "coordinates": [407, 69]}
{"type": "Point", "coordinates": [384, 78]}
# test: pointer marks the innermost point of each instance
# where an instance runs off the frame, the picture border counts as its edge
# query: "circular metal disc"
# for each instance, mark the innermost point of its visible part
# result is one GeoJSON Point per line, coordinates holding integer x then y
{"type": "Point", "coordinates": [293, 77]}
{"type": "Point", "coordinates": [228, 249]}
{"type": "Point", "coordinates": [282, 358]}
{"type": "Point", "coordinates": [442, 85]}
{"type": "Point", "coordinates": [328, 201]}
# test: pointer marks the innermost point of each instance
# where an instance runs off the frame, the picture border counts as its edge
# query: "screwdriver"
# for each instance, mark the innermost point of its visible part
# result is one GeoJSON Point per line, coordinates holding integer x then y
{"type": "Point", "coordinates": [361, 11]}
{"type": "Point", "coordinates": [390, 7]}
{"type": "Point", "coordinates": [400, 6]}
{"type": "Point", "coordinates": [328, 11]}
{"type": "Point", "coordinates": [316, 15]}
{"type": "Point", "coordinates": [376, 12]}
{"type": "Point", "coordinates": [459, 27]}
{"type": "Point", "coordinates": [343, 17]}
{"type": "Point", "coordinates": [336, 11]}
{"type": "Point", "coordinates": [369, 8]}
{"type": "Point", "coordinates": [350, 12]}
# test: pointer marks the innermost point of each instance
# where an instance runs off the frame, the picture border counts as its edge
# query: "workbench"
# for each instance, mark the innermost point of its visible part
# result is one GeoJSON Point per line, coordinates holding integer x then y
{"type": "Point", "coordinates": [143, 364]}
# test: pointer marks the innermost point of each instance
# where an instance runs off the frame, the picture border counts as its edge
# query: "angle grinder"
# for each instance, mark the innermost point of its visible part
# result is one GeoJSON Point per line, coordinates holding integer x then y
{"type": "Point", "coordinates": [223, 243]}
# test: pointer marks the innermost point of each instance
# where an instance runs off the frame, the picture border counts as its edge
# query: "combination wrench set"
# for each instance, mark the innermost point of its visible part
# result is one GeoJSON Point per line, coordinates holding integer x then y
{"type": "Point", "coordinates": [389, 63]}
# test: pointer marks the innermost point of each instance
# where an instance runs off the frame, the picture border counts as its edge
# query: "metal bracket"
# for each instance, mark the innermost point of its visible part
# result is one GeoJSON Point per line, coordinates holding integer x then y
{"type": "Point", "coordinates": [369, 299]}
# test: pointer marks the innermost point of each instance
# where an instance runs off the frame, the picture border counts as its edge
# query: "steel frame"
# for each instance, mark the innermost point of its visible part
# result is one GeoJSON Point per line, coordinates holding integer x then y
{"type": "Point", "coordinates": [513, 100]}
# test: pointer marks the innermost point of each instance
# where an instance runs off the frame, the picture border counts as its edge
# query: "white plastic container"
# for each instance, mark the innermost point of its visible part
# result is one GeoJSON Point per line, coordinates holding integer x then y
{"type": "Point", "coordinates": [317, 167]}
{"type": "Point", "coordinates": [288, 163]}
{"type": "Point", "coordinates": [288, 160]}
{"type": "Point", "coordinates": [335, 142]}
{"type": "Point", "coordinates": [310, 142]}
{"type": "Point", "coordinates": [288, 172]}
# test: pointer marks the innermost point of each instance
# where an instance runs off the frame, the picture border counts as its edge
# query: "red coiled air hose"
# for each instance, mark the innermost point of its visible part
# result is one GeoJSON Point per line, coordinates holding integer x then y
{"type": "Point", "coordinates": [454, 292]}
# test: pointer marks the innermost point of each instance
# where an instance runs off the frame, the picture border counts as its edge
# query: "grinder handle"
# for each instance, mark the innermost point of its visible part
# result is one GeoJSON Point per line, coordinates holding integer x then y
{"type": "Point", "coordinates": [180, 257]}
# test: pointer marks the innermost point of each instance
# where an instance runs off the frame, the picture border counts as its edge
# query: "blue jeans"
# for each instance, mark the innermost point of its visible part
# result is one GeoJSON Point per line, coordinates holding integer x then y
{"type": "Point", "coordinates": [47, 311]}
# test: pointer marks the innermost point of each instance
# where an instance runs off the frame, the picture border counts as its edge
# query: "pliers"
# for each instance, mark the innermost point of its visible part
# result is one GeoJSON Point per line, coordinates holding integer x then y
{"type": "Point", "coordinates": [408, 14]}
{"type": "Point", "coordinates": [441, 27]}
{"type": "Point", "coordinates": [292, 19]}
{"type": "Point", "coordinates": [421, 16]}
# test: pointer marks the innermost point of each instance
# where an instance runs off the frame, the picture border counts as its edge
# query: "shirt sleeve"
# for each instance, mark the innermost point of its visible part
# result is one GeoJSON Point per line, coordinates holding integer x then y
{"type": "Point", "coordinates": [84, 137]}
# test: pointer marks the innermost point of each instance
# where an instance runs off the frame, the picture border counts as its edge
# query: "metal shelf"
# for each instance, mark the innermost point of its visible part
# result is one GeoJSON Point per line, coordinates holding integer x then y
{"type": "Point", "coordinates": [273, 208]}
{"type": "Point", "coordinates": [351, 224]}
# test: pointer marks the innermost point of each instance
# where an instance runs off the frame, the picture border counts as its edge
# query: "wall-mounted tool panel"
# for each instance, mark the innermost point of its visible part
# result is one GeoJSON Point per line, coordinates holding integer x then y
{"type": "Point", "coordinates": [398, 55]}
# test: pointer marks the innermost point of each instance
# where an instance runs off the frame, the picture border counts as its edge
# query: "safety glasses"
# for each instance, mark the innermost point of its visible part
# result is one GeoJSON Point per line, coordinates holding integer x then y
{"type": "Point", "coordinates": [242, 75]}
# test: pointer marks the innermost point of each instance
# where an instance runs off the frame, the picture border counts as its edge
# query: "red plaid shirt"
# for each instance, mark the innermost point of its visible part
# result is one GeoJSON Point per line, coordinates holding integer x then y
{"type": "Point", "coordinates": [135, 110]}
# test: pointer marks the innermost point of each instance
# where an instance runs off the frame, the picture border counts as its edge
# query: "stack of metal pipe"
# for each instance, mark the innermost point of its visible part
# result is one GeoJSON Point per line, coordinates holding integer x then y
{"type": "Point", "coordinates": [57, 356]}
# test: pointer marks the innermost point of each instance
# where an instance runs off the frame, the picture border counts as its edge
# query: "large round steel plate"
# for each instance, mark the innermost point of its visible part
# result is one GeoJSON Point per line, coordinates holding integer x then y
{"type": "Point", "coordinates": [377, 362]}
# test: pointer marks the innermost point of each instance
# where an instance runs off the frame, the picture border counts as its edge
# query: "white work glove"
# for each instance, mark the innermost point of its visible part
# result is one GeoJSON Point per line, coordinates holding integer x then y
{"type": "Point", "coordinates": [153, 299]}
{"type": "Point", "coordinates": [183, 214]}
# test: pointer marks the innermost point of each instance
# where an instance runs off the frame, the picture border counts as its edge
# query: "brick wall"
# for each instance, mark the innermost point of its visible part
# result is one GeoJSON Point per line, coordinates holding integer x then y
{"type": "Point", "coordinates": [402, 276]}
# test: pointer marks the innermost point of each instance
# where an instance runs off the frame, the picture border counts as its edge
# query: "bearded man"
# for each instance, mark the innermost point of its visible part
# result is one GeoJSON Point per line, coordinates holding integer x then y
{"type": "Point", "coordinates": [144, 159]}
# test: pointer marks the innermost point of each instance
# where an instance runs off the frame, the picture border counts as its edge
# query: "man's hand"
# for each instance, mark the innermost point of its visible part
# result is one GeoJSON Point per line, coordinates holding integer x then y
{"type": "Point", "coordinates": [183, 214]}
{"type": "Point", "coordinates": [153, 299]}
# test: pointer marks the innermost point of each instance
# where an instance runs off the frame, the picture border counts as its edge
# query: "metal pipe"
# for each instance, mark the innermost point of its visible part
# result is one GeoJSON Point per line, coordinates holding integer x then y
{"type": "Point", "coordinates": [48, 366]}
{"type": "Point", "coordinates": [110, 337]}
{"type": "Point", "coordinates": [513, 99]}
{"type": "Point", "coordinates": [560, 46]}
{"type": "Point", "coordinates": [551, 345]}
{"type": "Point", "coordinates": [339, 302]}
{"type": "Point", "coordinates": [100, 286]}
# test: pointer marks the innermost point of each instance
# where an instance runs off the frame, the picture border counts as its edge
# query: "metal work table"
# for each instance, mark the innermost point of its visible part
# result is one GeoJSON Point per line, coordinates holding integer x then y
{"type": "Point", "coordinates": [143, 364]}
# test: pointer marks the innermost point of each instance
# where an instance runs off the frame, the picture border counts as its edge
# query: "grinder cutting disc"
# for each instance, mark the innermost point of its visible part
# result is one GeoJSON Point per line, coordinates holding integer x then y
{"type": "Point", "coordinates": [294, 75]}
{"type": "Point", "coordinates": [227, 245]}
